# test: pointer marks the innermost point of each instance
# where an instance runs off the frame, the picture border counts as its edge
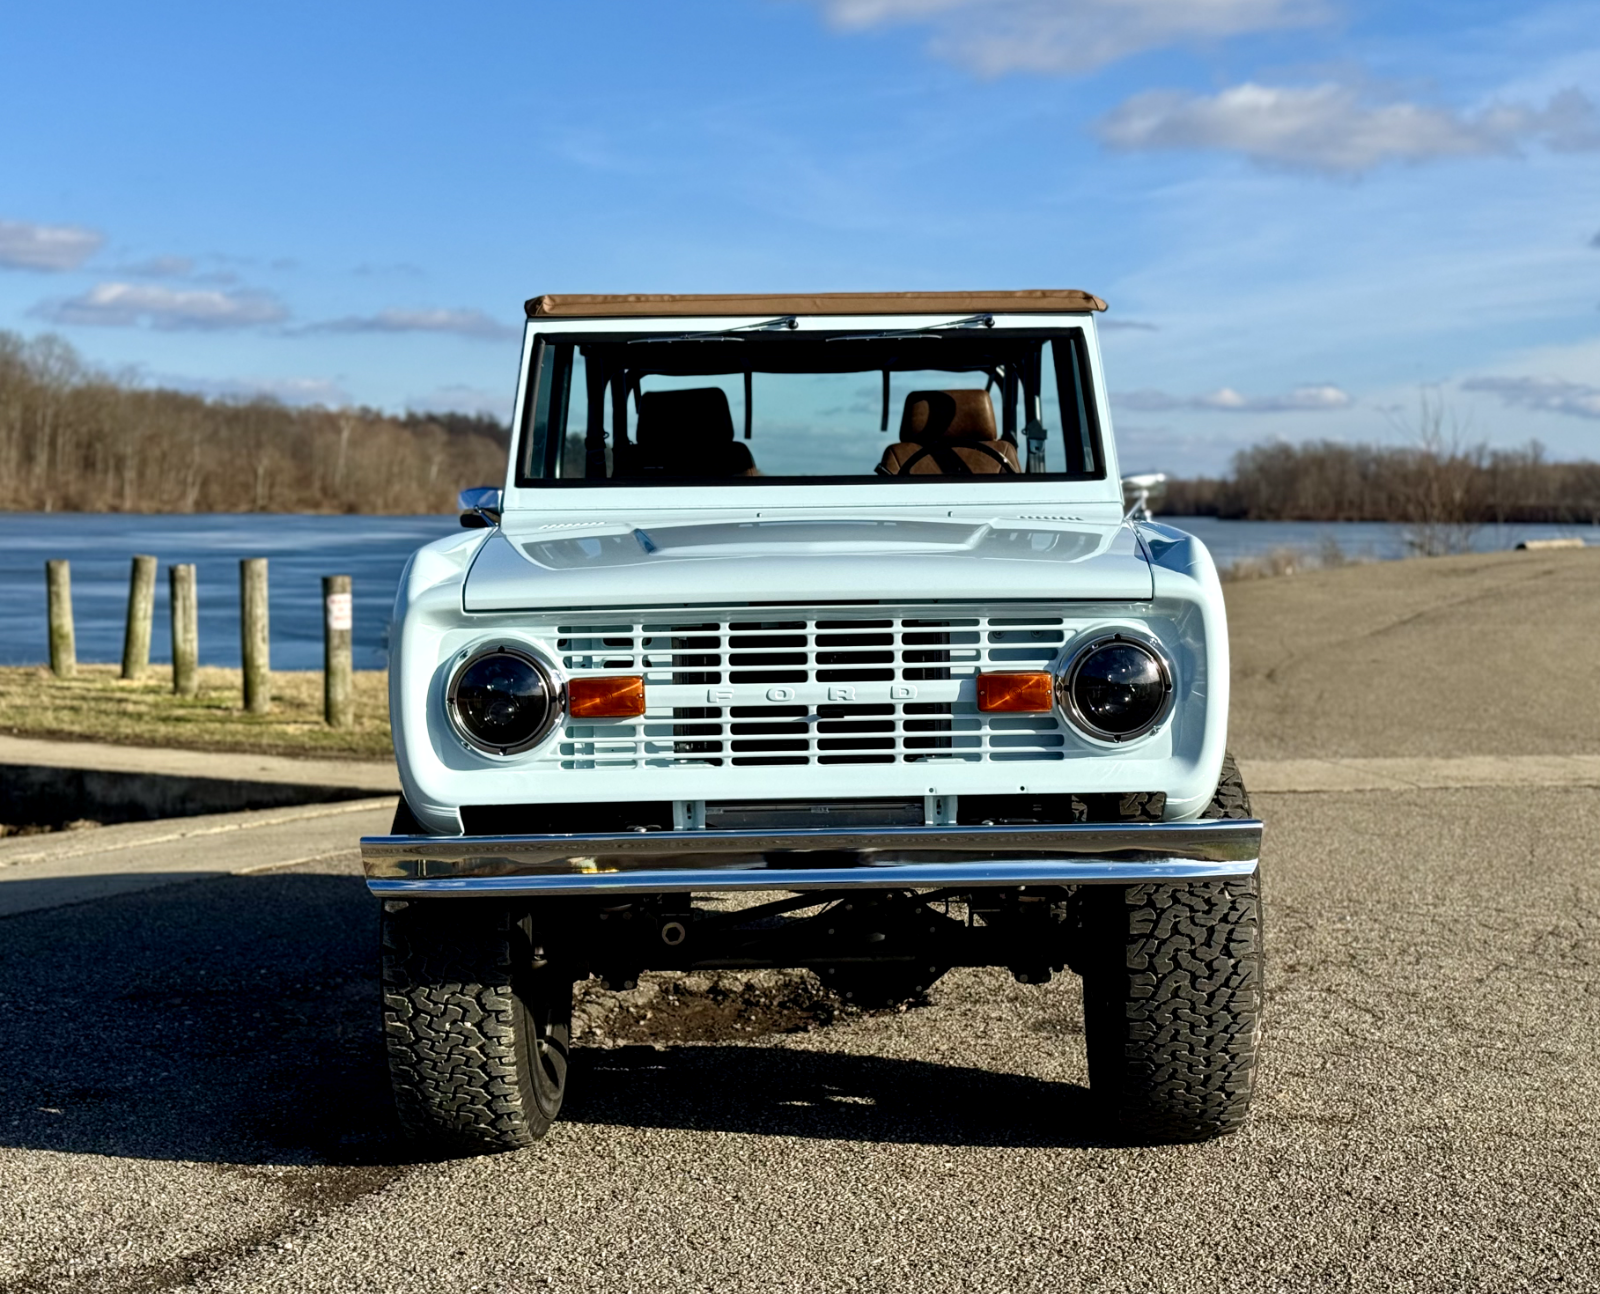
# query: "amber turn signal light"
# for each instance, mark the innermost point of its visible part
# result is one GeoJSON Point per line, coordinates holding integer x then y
{"type": "Point", "coordinates": [1016, 693]}
{"type": "Point", "coordinates": [605, 698]}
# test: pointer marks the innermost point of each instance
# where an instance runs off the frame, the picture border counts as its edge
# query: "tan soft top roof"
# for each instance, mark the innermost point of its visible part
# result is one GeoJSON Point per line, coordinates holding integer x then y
{"type": "Point", "coordinates": [659, 305]}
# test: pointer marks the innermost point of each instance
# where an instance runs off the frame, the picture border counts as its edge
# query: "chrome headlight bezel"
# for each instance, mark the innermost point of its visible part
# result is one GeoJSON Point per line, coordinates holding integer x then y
{"type": "Point", "coordinates": [555, 689]}
{"type": "Point", "coordinates": [1067, 677]}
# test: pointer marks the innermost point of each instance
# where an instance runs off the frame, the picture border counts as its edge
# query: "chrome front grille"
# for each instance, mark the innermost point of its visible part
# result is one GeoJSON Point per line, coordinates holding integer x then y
{"type": "Point", "coordinates": [830, 686]}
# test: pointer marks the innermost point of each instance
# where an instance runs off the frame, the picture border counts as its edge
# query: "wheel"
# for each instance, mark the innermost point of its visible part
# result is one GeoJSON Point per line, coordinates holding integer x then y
{"type": "Point", "coordinates": [477, 1023]}
{"type": "Point", "coordinates": [1172, 997]}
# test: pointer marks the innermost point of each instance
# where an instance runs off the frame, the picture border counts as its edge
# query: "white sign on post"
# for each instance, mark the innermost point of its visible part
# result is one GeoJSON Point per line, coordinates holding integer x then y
{"type": "Point", "coordinates": [339, 613]}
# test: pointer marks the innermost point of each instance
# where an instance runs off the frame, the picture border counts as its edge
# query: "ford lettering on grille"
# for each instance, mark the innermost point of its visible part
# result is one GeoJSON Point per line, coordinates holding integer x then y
{"type": "Point", "coordinates": [781, 687]}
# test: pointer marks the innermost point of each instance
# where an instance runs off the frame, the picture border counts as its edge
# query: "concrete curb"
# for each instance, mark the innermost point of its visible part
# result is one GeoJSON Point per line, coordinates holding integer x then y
{"type": "Point", "coordinates": [364, 775]}
{"type": "Point", "coordinates": [52, 871]}
{"type": "Point", "coordinates": [57, 781]}
{"type": "Point", "coordinates": [1324, 776]}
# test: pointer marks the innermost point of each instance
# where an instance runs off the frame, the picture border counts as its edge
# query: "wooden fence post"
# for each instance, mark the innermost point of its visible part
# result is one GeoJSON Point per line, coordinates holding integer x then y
{"type": "Point", "coordinates": [253, 638]}
{"type": "Point", "coordinates": [63, 644]}
{"type": "Point", "coordinates": [338, 702]}
{"type": "Point", "coordinates": [141, 609]}
{"type": "Point", "coordinates": [185, 630]}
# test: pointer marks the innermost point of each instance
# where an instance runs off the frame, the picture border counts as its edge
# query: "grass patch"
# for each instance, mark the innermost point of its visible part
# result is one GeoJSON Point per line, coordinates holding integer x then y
{"type": "Point", "coordinates": [96, 705]}
{"type": "Point", "coordinates": [1285, 560]}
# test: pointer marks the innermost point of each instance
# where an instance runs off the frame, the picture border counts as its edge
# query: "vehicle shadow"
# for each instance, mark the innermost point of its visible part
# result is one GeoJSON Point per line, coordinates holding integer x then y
{"type": "Point", "coordinates": [236, 1020]}
{"type": "Point", "coordinates": [227, 1020]}
{"type": "Point", "coordinates": [800, 1092]}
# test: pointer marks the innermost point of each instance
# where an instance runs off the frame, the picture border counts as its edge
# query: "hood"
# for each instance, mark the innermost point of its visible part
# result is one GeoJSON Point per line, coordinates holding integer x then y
{"type": "Point", "coordinates": [818, 561]}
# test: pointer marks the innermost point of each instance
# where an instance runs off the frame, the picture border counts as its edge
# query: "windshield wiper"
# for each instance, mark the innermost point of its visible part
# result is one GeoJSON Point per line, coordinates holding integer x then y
{"type": "Point", "coordinates": [931, 331]}
{"type": "Point", "coordinates": [780, 324]}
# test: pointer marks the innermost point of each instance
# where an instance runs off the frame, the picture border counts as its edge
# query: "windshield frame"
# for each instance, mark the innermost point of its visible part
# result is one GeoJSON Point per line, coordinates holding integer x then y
{"type": "Point", "coordinates": [1099, 486]}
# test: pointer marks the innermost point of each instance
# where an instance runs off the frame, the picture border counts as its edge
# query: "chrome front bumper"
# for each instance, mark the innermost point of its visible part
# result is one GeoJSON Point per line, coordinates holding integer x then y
{"type": "Point", "coordinates": [830, 859]}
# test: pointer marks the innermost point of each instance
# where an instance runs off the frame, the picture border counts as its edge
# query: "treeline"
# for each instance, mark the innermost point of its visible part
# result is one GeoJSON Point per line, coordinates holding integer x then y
{"type": "Point", "coordinates": [1428, 486]}
{"type": "Point", "coordinates": [75, 439]}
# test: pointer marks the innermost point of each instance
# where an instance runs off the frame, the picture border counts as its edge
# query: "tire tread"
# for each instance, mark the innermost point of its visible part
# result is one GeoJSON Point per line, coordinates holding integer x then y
{"type": "Point", "coordinates": [455, 1029]}
{"type": "Point", "coordinates": [1173, 998]}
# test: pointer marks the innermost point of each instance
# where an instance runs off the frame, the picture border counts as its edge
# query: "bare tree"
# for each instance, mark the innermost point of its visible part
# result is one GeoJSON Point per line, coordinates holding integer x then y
{"type": "Point", "coordinates": [1440, 488]}
{"type": "Point", "coordinates": [72, 438]}
{"type": "Point", "coordinates": [1441, 504]}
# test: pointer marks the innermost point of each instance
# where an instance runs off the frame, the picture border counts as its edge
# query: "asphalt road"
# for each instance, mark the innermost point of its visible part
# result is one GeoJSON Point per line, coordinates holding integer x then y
{"type": "Point", "coordinates": [194, 1097]}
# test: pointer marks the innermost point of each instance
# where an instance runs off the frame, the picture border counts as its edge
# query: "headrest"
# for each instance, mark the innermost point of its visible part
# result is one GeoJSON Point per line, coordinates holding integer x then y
{"type": "Point", "coordinates": [947, 415]}
{"type": "Point", "coordinates": [683, 419]}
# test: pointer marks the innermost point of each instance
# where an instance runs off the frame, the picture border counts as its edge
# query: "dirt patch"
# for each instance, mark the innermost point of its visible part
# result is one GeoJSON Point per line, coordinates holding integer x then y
{"type": "Point", "coordinates": [705, 1006]}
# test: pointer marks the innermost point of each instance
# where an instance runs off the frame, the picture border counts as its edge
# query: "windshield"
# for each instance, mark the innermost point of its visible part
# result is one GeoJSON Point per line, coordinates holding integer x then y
{"type": "Point", "coordinates": [743, 408]}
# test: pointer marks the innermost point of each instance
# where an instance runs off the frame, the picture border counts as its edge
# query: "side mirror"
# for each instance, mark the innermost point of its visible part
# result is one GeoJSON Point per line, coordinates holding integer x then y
{"type": "Point", "coordinates": [480, 506]}
{"type": "Point", "coordinates": [1142, 490]}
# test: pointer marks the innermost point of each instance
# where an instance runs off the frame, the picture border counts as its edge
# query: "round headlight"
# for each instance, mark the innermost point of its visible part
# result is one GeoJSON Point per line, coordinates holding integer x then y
{"type": "Point", "coordinates": [1116, 688]}
{"type": "Point", "coordinates": [503, 700]}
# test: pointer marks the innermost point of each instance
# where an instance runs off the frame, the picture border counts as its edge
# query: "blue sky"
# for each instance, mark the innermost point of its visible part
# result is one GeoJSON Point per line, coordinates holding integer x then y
{"type": "Point", "coordinates": [1303, 212]}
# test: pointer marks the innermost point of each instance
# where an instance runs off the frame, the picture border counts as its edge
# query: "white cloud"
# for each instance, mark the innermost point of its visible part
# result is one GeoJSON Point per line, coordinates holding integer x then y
{"type": "Point", "coordinates": [460, 398]}
{"type": "Point", "coordinates": [124, 305]}
{"type": "Point", "coordinates": [161, 267]}
{"type": "Point", "coordinates": [1545, 394]}
{"type": "Point", "coordinates": [288, 390]}
{"type": "Point", "coordinates": [1156, 448]}
{"type": "Point", "coordinates": [25, 246]}
{"type": "Point", "coordinates": [178, 269]}
{"type": "Point", "coordinates": [1334, 128]}
{"type": "Point", "coordinates": [464, 323]}
{"type": "Point", "coordinates": [1303, 399]}
{"type": "Point", "coordinates": [998, 36]}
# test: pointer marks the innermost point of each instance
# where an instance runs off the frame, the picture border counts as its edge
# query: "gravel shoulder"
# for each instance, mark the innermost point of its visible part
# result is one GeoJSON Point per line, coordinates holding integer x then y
{"type": "Point", "coordinates": [1483, 655]}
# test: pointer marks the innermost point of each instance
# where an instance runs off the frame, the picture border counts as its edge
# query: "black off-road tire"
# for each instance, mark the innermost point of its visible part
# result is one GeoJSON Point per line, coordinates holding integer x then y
{"type": "Point", "coordinates": [477, 1032]}
{"type": "Point", "coordinates": [1172, 998]}
{"type": "Point", "coordinates": [1231, 799]}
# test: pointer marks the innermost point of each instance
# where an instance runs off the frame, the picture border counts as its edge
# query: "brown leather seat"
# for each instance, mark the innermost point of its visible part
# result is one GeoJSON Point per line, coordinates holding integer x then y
{"type": "Point", "coordinates": [949, 433]}
{"type": "Point", "coordinates": [685, 434]}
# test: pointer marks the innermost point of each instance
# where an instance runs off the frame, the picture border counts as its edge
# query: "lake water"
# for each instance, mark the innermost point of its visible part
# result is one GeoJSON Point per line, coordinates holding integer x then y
{"type": "Point", "coordinates": [1229, 541]}
{"type": "Point", "coordinates": [373, 550]}
{"type": "Point", "coordinates": [299, 550]}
